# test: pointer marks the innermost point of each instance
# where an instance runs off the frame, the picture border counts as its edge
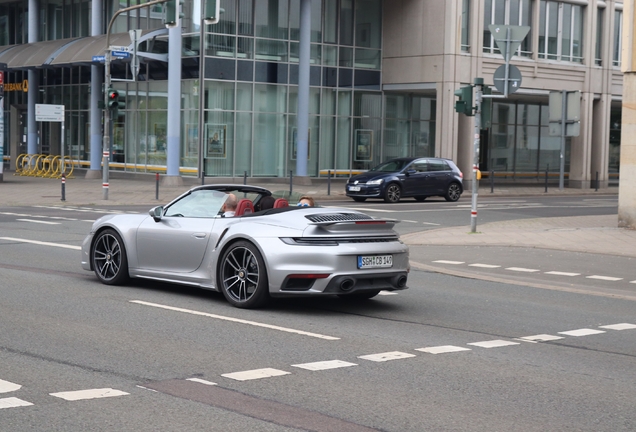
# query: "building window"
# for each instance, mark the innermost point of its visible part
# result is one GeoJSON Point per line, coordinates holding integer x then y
{"type": "Point", "coordinates": [507, 12]}
{"type": "Point", "coordinates": [465, 41]}
{"type": "Point", "coordinates": [598, 56]}
{"type": "Point", "coordinates": [561, 31]}
{"type": "Point", "coordinates": [618, 31]}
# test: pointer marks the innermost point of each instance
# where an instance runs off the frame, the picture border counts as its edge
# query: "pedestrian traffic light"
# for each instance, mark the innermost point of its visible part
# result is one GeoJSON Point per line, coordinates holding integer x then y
{"type": "Point", "coordinates": [112, 99]}
{"type": "Point", "coordinates": [173, 12]}
{"type": "Point", "coordinates": [465, 103]}
{"type": "Point", "coordinates": [212, 12]}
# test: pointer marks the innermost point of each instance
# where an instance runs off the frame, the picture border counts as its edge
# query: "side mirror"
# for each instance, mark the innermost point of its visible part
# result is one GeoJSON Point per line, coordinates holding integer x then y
{"type": "Point", "coordinates": [156, 213]}
{"type": "Point", "coordinates": [410, 171]}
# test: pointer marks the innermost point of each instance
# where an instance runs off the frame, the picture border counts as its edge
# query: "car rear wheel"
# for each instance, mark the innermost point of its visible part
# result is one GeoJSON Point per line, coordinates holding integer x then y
{"type": "Point", "coordinates": [359, 199]}
{"type": "Point", "coordinates": [109, 259]}
{"type": "Point", "coordinates": [243, 277]}
{"type": "Point", "coordinates": [453, 192]}
{"type": "Point", "coordinates": [392, 193]}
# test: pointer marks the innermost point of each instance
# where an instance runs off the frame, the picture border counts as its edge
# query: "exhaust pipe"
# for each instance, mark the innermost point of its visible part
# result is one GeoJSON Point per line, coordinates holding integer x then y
{"type": "Point", "coordinates": [347, 284]}
{"type": "Point", "coordinates": [401, 283]}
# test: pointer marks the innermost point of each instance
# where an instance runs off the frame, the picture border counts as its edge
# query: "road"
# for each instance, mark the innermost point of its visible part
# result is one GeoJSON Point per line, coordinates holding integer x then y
{"type": "Point", "coordinates": [450, 353]}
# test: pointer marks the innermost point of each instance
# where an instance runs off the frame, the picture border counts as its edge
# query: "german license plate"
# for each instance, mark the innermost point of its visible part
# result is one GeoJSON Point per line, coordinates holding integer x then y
{"type": "Point", "coordinates": [375, 261]}
{"type": "Point", "coordinates": [354, 188]}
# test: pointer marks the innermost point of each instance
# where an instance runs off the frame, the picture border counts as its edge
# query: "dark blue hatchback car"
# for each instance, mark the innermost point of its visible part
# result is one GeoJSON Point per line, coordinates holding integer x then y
{"type": "Point", "coordinates": [408, 177]}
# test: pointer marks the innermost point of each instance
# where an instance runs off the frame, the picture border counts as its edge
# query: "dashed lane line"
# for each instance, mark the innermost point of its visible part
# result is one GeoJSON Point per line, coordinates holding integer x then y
{"type": "Point", "coordinates": [13, 402]}
{"type": "Point", "coordinates": [255, 374]}
{"type": "Point", "coordinates": [236, 320]}
{"type": "Point", "coordinates": [6, 386]}
{"type": "Point", "coordinates": [324, 365]}
{"type": "Point", "coordinates": [605, 278]}
{"type": "Point", "coordinates": [540, 338]}
{"type": "Point", "coordinates": [622, 326]}
{"type": "Point", "coordinates": [558, 273]}
{"type": "Point", "coordinates": [89, 394]}
{"type": "Point", "coordinates": [201, 381]}
{"type": "Point", "coordinates": [387, 356]}
{"type": "Point", "coordinates": [521, 269]}
{"type": "Point", "coordinates": [493, 343]}
{"type": "Point", "coordinates": [39, 221]}
{"type": "Point", "coordinates": [41, 243]}
{"type": "Point", "coordinates": [449, 262]}
{"type": "Point", "coordinates": [484, 265]}
{"type": "Point", "coordinates": [582, 332]}
{"type": "Point", "coordinates": [443, 349]}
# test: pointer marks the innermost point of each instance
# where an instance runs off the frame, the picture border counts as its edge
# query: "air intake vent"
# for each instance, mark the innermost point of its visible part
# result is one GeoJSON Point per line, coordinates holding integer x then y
{"type": "Point", "coordinates": [338, 217]}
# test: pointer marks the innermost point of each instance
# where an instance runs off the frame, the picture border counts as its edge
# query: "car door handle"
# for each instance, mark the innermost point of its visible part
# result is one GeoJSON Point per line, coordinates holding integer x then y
{"type": "Point", "coordinates": [199, 235]}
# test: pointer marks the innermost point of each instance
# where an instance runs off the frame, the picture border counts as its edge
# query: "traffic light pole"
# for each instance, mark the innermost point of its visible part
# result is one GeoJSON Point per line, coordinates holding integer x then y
{"type": "Point", "coordinates": [479, 83]}
{"type": "Point", "coordinates": [106, 146]}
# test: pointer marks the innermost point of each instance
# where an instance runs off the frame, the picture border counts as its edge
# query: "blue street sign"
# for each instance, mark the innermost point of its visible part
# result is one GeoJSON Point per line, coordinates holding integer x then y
{"type": "Point", "coordinates": [120, 54]}
{"type": "Point", "coordinates": [99, 59]}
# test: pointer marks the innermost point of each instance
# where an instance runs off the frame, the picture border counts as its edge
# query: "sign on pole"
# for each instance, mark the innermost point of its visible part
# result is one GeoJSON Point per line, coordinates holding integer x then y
{"type": "Point", "coordinates": [572, 113]}
{"type": "Point", "coordinates": [513, 81]}
{"type": "Point", "coordinates": [49, 113]}
{"type": "Point", "coordinates": [508, 45]}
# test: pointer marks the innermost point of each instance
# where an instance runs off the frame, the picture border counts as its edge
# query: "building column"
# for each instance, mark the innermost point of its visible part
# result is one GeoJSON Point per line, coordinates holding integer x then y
{"type": "Point", "coordinates": [174, 108]}
{"type": "Point", "coordinates": [627, 184]}
{"type": "Point", "coordinates": [601, 110]}
{"type": "Point", "coordinates": [34, 79]}
{"type": "Point", "coordinates": [97, 94]}
{"type": "Point", "coordinates": [303, 89]}
{"type": "Point", "coordinates": [581, 148]}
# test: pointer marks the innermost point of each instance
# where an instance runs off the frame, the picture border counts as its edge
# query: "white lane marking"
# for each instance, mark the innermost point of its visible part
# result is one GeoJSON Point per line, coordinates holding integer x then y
{"type": "Point", "coordinates": [41, 243]}
{"type": "Point", "coordinates": [494, 343]}
{"type": "Point", "coordinates": [540, 338]}
{"type": "Point", "coordinates": [581, 332]}
{"type": "Point", "coordinates": [605, 278]}
{"type": "Point", "coordinates": [201, 381]}
{"type": "Point", "coordinates": [483, 265]}
{"type": "Point", "coordinates": [13, 402]}
{"type": "Point", "coordinates": [430, 223]}
{"type": "Point", "coordinates": [15, 214]}
{"type": "Point", "coordinates": [385, 293]}
{"type": "Point", "coordinates": [409, 221]}
{"type": "Point", "coordinates": [40, 222]}
{"type": "Point", "coordinates": [558, 273]}
{"type": "Point", "coordinates": [442, 349]}
{"type": "Point", "coordinates": [521, 269]}
{"type": "Point", "coordinates": [634, 281]}
{"type": "Point", "coordinates": [324, 365]}
{"type": "Point", "coordinates": [6, 386]}
{"type": "Point", "coordinates": [89, 394]}
{"type": "Point", "coordinates": [236, 320]}
{"type": "Point", "coordinates": [622, 326]}
{"type": "Point", "coordinates": [387, 356]}
{"type": "Point", "coordinates": [255, 374]}
{"type": "Point", "coordinates": [449, 262]}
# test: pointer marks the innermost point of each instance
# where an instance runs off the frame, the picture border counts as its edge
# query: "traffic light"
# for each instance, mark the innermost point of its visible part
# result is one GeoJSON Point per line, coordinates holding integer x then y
{"type": "Point", "coordinates": [114, 101]}
{"type": "Point", "coordinates": [486, 108]}
{"type": "Point", "coordinates": [465, 102]}
{"type": "Point", "coordinates": [173, 12]}
{"type": "Point", "coordinates": [212, 11]}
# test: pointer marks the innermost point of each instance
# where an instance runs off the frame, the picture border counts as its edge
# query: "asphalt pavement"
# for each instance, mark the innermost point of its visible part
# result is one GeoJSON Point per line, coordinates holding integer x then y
{"type": "Point", "coordinates": [592, 234]}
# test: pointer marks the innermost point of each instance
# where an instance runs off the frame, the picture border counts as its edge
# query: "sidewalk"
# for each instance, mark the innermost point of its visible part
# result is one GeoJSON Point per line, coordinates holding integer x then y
{"type": "Point", "coordinates": [594, 234]}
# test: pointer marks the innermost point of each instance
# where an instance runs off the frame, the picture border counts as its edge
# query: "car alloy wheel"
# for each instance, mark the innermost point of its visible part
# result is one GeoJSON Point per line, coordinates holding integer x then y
{"type": "Point", "coordinates": [242, 276]}
{"type": "Point", "coordinates": [109, 258]}
{"type": "Point", "coordinates": [453, 193]}
{"type": "Point", "coordinates": [392, 193]}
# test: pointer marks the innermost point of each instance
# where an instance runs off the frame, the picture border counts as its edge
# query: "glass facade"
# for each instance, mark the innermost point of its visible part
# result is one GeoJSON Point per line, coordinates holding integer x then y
{"type": "Point", "coordinates": [561, 31]}
{"type": "Point", "coordinates": [507, 12]}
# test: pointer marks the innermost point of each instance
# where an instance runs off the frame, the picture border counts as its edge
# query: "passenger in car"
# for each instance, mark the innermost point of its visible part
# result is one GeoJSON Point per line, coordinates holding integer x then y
{"type": "Point", "coordinates": [306, 201]}
{"type": "Point", "coordinates": [229, 206]}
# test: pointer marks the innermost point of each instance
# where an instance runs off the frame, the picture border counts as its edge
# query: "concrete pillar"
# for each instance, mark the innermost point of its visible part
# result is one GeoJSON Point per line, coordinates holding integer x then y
{"type": "Point", "coordinates": [600, 140]}
{"type": "Point", "coordinates": [627, 185]}
{"type": "Point", "coordinates": [174, 108]}
{"type": "Point", "coordinates": [580, 149]}
{"type": "Point", "coordinates": [303, 88]}
{"type": "Point", "coordinates": [96, 95]}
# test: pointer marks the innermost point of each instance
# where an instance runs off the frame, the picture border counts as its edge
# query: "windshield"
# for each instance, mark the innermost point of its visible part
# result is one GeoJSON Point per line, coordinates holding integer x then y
{"type": "Point", "coordinates": [391, 166]}
{"type": "Point", "coordinates": [198, 204]}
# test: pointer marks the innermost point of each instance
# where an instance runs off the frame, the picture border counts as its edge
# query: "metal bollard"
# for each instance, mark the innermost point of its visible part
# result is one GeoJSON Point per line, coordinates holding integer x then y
{"type": "Point", "coordinates": [291, 187]}
{"type": "Point", "coordinates": [329, 182]}
{"type": "Point", "coordinates": [63, 187]}
{"type": "Point", "coordinates": [596, 190]}
{"type": "Point", "coordinates": [244, 177]}
{"type": "Point", "coordinates": [546, 177]}
{"type": "Point", "coordinates": [157, 186]}
{"type": "Point", "coordinates": [492, 181]}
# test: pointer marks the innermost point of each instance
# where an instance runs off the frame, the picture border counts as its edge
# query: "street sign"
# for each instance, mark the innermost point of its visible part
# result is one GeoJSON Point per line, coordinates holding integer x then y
{"type": "Point", "coordinates": [99, 59]}
{"type": "Point", "coordinates": [514, 79]}
{"type": "Point", "coordinates": [572, 113]}
{"type": "Point", "coordinates": [120, 54]}
{"type": "Point", "coordinates": [120, 48]}
{"type": "Point", "coordinates": [49, 113]}
{"type": "Point", "coordinates": [508, 46]}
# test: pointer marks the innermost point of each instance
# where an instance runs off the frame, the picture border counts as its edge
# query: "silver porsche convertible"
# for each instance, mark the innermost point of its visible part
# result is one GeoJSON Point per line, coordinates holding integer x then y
{"type": "Point", "coordinates": [256, 254]}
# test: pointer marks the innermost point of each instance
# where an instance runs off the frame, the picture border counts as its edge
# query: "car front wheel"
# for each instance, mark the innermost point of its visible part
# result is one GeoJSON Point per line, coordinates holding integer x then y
{"type": "Point", "coordinates": [109, 259]}
{"type": "Point", "coordinates": [453, 192]}
{"type": "Point", "coordinates": [392, 193]}
{"type": "Point", "coordinates": [243, 277]}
